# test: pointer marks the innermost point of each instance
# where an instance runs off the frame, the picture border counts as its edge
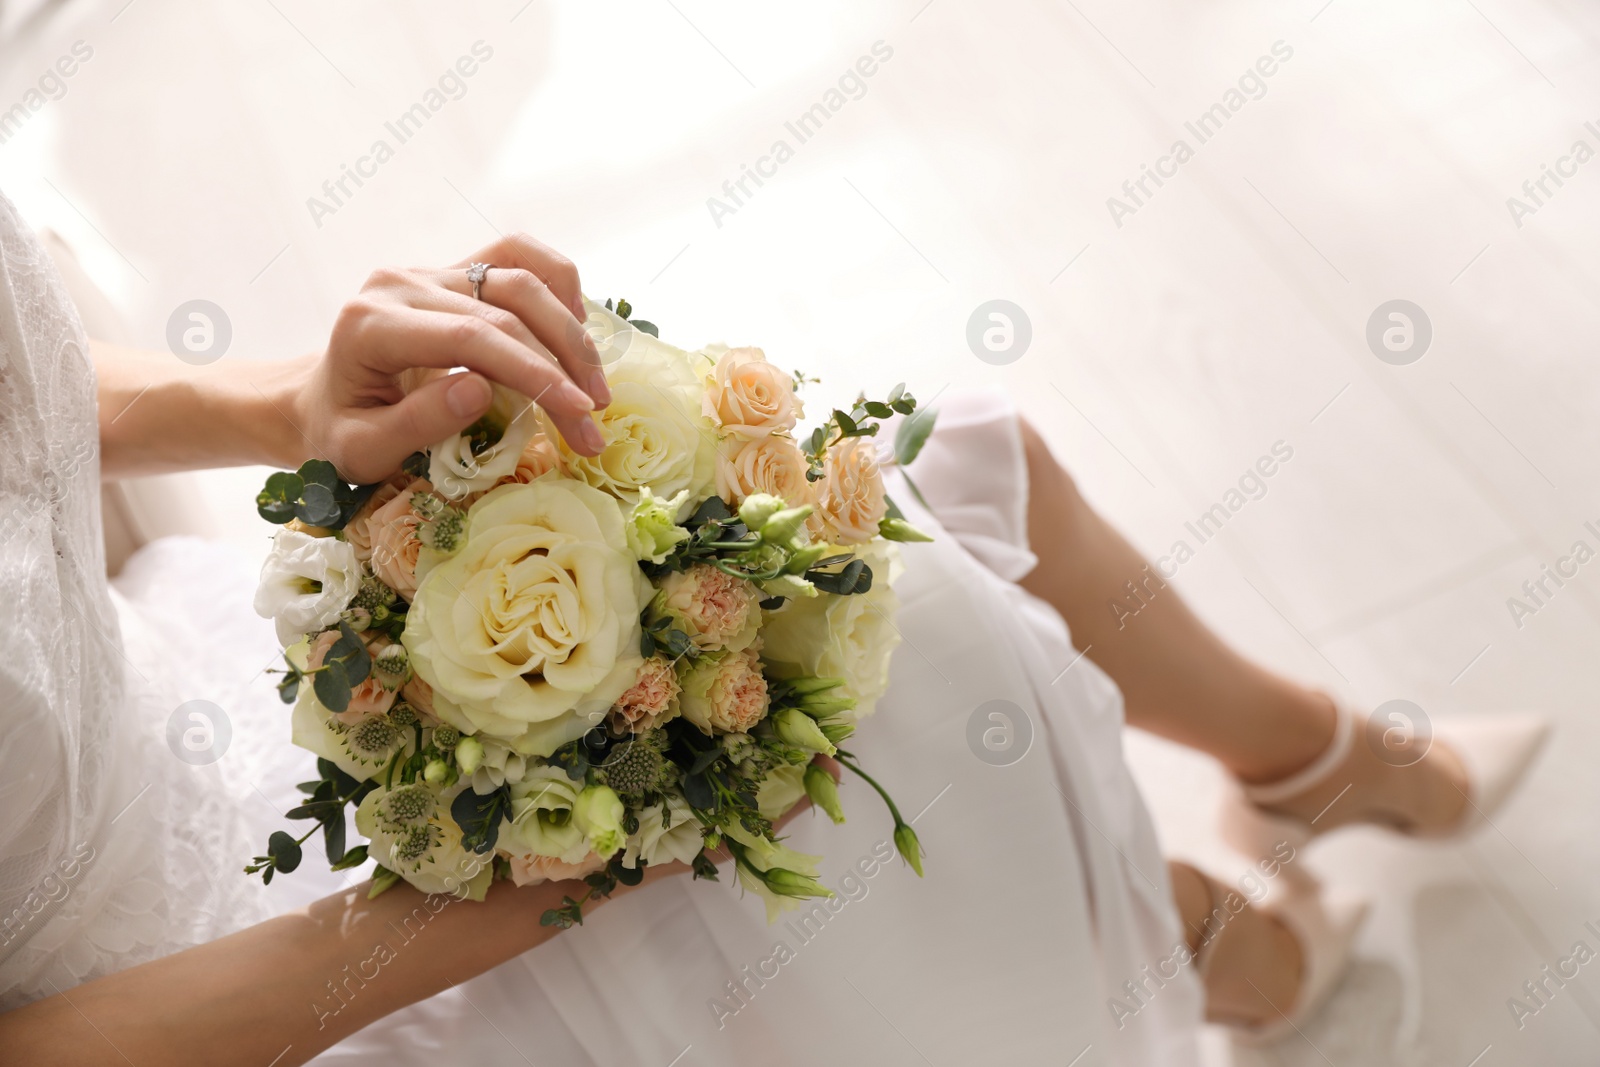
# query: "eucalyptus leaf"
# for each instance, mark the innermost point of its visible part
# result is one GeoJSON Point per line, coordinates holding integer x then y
{"type": "Point", "coordinates": [912, 435]}
{"type": "Point", "coordinates": [354, 858]}
{"type": "Point", "coordinates": [645, 326]}
{"type": "Point", "coordinates": [284, 850]}
{"type": "Point", "coordinates": [332, 686]}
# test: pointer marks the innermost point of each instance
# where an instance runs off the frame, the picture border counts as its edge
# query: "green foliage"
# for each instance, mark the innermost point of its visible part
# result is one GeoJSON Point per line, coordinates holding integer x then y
{"type": "Point", "coordinates": [479, 815]}
{"type": "Point", "coordinates": [315, 494]}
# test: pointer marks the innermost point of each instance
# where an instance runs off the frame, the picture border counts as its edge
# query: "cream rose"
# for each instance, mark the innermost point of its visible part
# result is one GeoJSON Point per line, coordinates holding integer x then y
{"type": "Point", "coordinates": [655, 435]}
{"type": "Point", "coordinates": [748, 397]}
{"type": "Point", "coordinates": [772, 465]}
{"type": "Point", "coordinates": [850, 501]}
{"type": "Point", "coordinates": [530, 631]}
{"type": "Point", "coordinates": [488, 450]}
{"type": "Point", "coordinates": [306, 582]}
{"type": "Point", "coordinates": [849, 637]}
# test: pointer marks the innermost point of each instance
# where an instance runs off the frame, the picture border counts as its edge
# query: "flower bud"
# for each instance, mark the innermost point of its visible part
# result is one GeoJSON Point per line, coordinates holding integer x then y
{"type": "Point", "coordinates": [820, 707]}
{"type": "Point", "coordinates": [910, 849]}
{"type": "Point", "coordinates": [900, 530]}
{"type": "Point", "coordinates": [797, 728]}
{"type": "Point", "coordinates": [824, 792]}
{"type": "Point", "coordinates": [782, 527]}
{"type": "Point", "coordinates": [802, 559]}
{"type": "Point", "coordinates": [837, 730]}
{"type": "Point", "coordinates": [807, 686]}
{"type": "Point", "coordinates": [789, 585]}
{"type": "Point", "coordinates": [446, 736]}
{"type": "Point", "coordinates": [758, 508]}
{"type": "Point", "coordinates": [437, 772]}
{"type": "Point", "coordinates": [469, 754]}
{"type": "Point", "coordinates": [793, 884]}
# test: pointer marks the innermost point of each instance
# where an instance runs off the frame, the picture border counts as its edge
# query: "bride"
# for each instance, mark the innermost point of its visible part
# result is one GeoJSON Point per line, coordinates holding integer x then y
{"type": "Point", "coordinates": [1048, 929]}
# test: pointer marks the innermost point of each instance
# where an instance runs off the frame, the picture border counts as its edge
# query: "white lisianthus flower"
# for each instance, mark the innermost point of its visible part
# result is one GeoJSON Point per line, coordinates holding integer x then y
{"type": "Point", "coordinates": [849, 637]}
{"type": "Point", "coordinates": [653, 530]}
{"type": "Point", "coordinates": [421, 842]}
{"type": "Point", "coordinates": [541, 816]}
{"type": "Point", "coordinates": [500, 764]}
{"type": "Point", "coordinates": [665, 835]}
{"type": "Point", "coordinates": [654, 432]}
{"type": "Point", "coordinates": [488, 450]}
{"type": "Point", "coordinates": [598, 812]}
{"type": "Point", "coordinates": [781, 790]}
{"type": "Point", "coordinates": [530, 632]}
{"type": "Point", "coordinates": [768, 856]}
{"type": "Point", "coordinates": [306, 582]}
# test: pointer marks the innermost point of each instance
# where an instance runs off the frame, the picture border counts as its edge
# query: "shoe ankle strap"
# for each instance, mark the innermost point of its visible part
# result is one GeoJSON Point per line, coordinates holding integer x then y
{"type": "Point", "coordinates": [1313, 773]}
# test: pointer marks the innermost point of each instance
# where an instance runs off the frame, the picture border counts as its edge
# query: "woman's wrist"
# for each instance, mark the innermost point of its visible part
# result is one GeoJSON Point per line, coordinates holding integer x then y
{"type": "Point", "coordinates": [274, 411]}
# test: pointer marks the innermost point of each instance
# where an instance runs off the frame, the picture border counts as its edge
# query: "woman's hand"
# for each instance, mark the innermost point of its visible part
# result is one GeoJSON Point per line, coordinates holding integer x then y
{"type": "Point", "coordinates": [381, 391]}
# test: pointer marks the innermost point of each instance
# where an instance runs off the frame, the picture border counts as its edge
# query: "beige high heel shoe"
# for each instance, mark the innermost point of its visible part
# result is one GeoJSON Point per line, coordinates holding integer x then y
{"type": "Point", "coordinates": [1325, 926]}
{"type": "Point", "coordinates": [1495, 751]}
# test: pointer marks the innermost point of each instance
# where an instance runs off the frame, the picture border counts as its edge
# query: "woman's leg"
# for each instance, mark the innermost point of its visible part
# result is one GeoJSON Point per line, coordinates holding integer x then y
{"type": "Point", "coordinates": [1179, 680]}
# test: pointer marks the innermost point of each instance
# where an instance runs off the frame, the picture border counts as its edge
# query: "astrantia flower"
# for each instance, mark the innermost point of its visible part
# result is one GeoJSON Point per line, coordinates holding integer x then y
{"type": "Point", "coordinates": [306, 582]}
{"type": "Point", "coordinates": [425, 850]}
{"type": "Point", "coordinates": [725, 692]}
{"type": "Point", "coordinates": [634, 768]}
{"type": "Point", "coordinates": [488, 450]}
{"type": "Point", "coordinates": [530, 632]}
{"type": "Point", "coordinates": [716, 609]}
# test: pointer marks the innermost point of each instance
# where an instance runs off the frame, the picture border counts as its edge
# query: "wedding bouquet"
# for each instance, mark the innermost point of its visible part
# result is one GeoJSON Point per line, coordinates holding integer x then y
{"type": "Point", "coordinates": [520, 662]}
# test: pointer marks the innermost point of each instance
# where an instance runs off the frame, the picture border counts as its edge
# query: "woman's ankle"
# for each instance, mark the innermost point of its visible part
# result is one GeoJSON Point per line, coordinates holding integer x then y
{"type": "Point", "coordinates": [1305, 721]}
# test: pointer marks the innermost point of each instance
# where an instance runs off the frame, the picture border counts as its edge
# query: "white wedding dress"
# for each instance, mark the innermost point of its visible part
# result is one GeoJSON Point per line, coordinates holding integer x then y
{"type": "Point", "coordinates": [1045, 889]}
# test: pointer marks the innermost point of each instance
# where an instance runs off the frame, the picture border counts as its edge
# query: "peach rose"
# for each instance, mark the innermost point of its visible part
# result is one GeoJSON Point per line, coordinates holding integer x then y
{"type": "Point", "coordinates": [539, 458]}
{"type": "Point", "coordinates": [772, 465]}
{"type": "Point", "coordinates": [532, 870]}
{"type": "Point", "coordinates": [651, 701]}
{"type": "Point", "coordinates": [367, 699]}
{"type": "Point", "coordinates": [714, 608]}
{"type": "Point", "coordinates": [850, 501]}
{"type": "Point", "coordinates": [358, 531]}
{"type": "Point", "coordinates": [395, 544]}
{"type": "Point", "coordinates": [749, 397]}
{"type": "Point", "coordinates": [419, 694]}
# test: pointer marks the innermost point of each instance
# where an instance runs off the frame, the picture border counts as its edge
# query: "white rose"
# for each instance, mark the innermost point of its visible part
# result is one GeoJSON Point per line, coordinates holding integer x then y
{"type": "Point", "coordinates": [849, 637]}
{"type": "Point", "coordinates": [664, 840]}
{"type": "Point", "coordinates": [306, 582]}
{"type": "Point", "coordinates": [654, 432]}
{"type": "Point", "coordinates": [425, 849]}
{"type": "Point", "coordinates": [531, 630]}
{"type": "Point", "coordinates": [455, 468]}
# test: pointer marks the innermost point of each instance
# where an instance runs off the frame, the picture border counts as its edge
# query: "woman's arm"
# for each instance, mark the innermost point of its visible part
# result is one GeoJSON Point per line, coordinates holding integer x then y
{"type": "Point", "coordinates": [284, 990]}
{"type": "Point", "coordinates": [380, 392]}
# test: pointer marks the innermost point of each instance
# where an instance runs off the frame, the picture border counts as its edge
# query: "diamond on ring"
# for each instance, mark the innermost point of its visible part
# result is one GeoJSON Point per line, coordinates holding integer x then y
{"type": "Point", "coordinates": [476, 272]}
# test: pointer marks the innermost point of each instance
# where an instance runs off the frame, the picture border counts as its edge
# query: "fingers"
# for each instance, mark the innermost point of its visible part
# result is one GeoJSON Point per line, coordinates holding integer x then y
{"type": "Point", "coordinates": [542, 314]}
{"type": "Point", "coordinates": [407, 337]}
{"type": "Point", "coordinates": [539, 259]}
{"type": "Point", "coordinates": [427, 415]}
